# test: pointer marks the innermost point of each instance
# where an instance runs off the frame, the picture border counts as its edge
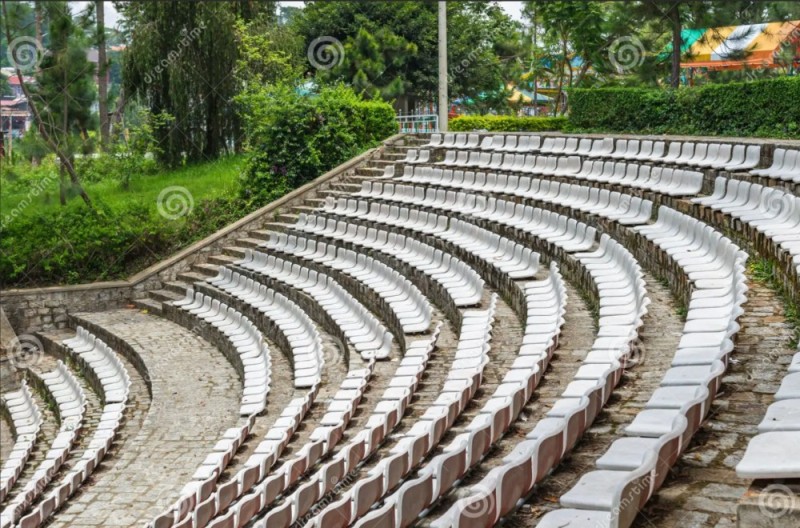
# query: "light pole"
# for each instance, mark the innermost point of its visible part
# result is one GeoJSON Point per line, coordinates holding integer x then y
{"type": "Point", "coordinates": [443, 105]}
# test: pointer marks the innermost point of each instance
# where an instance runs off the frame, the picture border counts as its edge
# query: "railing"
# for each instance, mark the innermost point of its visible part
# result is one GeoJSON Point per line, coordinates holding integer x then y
{"type": "Point", "coordinates": [418, 123]}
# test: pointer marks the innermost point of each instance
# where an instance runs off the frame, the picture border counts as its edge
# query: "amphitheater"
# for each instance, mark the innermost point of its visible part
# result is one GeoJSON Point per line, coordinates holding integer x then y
{"type": "Point", "coordinates": [448, 330]}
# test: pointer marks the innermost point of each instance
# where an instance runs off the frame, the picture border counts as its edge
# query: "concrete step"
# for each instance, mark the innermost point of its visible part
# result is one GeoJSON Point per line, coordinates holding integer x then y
{"type": "Point", "coordinates": [245, 242]}
{"type": "Point", "coordinates": [176, 286]}
{"type": "Point", "coordinates": [165, 295]}
{"type": "Point", "coordinates": [221, 260]}
{"type": "Point", "coordinates": [192, 276]}
{"type": "Point", "coordinates": [347, 187]}
{"type": "Point", "coordinates": [369, 171]}
{"type": "Point", "coordinates": [207, 270]}
{"type": "Point", "coordinates": [237, 252]}
{"type": "Point", "coordinates": [260, 234]}
{"type": "Point", "coordinates": [286, 218]}
{"type": "Point", "coordinates": [150, 306]}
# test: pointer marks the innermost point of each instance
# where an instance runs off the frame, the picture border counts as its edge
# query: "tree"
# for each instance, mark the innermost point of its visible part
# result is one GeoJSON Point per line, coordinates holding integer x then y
{"type": "Point", "coordinates": [369, 64]}
{"type": "Point", "coordinates": [571, 32]}
{"type": "Point", "coordinates": [64, 88]}
{"type": "Point", "coordinates": [474, 48]}
{"type": "Point", "coordinates": [102, 73]}
{"type": "Point", "coordinates": [180, 62]}
{"type": "Point", "coordinates": [65, 78]}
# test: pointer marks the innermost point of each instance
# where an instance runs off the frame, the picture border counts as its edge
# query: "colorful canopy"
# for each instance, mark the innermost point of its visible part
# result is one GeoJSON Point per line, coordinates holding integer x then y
{"type": "Point", "coordinates": [688, 38]}
{"type": "Point", "coordinates": [526, 96]}
{"type": "Point", "coordinates": [751, 45]}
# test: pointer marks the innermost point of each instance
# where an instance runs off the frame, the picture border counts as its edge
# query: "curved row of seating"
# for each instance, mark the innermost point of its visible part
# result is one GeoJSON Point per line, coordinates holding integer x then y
{"type": "Point", "coordinates": [510, 258]}
{"type": "Point", "coordinates": [722, 156]}
{"type": "Point", "coordinates": [560, 230]}
{"type": "Point", "coordinates": [26, 421]}
{"type": "Point", "coordinates": [300, 497]}
{"type": "Point", "coordinates": [666, 180]}
{"type": "Point", "coordinates": [236, 503]}
{"type": "Point", "coordinates": [99, 363]}
{"type": "Point", "coordinates": [769, 210]}
{"type": "Point", "coordinates": [200, 500]}
{"type": "Point", "coordinates": [463, 284]}
{"type": "Point", "coordinates": [785, 166]}
{"type": "Point", "coordinates": [412, 308]}
{"type": "Point", "coordinates": [620, 207]}
{"type": "Point", "coordinates": [622, 303]}
{"type": "Point", "coordinates": [545, 307]}
{"type": "Point", "coordinates": [97, 360]}
{"type": "Point", "coordinates": [64, 392]}
{"type": "Point", "coordinates": [634, 466]}
{"type": "Point", "coordinates": [463, 379]}
{"type": "Point", "coordinates": [248, 342]}
{"type": "Point", "coordinates": [366, 333]}
{"type": "Point", "coordinates": [298, 328]}
{"type": "Point", "coordinates": [256, 486]}
{"type": "Point", "coordinates": [772, 453]}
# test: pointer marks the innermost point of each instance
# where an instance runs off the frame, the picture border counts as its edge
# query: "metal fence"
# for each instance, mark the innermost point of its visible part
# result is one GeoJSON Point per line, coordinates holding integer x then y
{"type": "Point", "coordinates": [418, 123]}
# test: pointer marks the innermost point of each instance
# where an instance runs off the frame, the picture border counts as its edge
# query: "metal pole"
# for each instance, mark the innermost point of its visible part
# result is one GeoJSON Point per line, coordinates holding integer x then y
{"type": "Point", "coordinates": [443, 104]}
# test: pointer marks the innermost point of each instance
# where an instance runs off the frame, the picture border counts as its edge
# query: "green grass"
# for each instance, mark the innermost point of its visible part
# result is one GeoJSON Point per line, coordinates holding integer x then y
{"type": "Point", "coordinates": [204, 181]}
{"type": "Point", "coordinates": [44, 243]}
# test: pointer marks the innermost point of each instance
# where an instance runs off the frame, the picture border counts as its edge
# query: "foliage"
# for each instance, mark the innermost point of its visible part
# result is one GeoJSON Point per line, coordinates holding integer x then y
{"type": "Point", "coordinates": [42, 243]}
{"type": "Point", "coordinates": [179, 62]}
{"type": "Point", "coordinates": [64, 89]}
{"type": "Point", "coordinates": [295, 138]}
{"type": "Point", "coordinates": [102, 245]}
{"type": "Point", "coordinates": [507, 123]}
{"type": "Point", "coordinates": [365, 62]}
{"type": "Point", "coordinates": [477, 42]}
{"type": "Point", "coordinates": [570, 30]}
{"type": "Point", "coordinates": [760, 108]}
{"type": "Point", "coordinates": [268, 54]}
{"type": "Point", "coordinates": [31, 147]}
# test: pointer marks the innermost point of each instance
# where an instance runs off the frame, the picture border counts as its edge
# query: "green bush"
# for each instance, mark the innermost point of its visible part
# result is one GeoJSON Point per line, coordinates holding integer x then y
{"type": "Point", "coordinates": [85, 245]}
{"type": "Point", "coordinates": [765, 108]}
{"type": "Point", "coordinates": [494, 123]}
{"type": "Point", "coordinates": [294, 137]}
{"type": "Point", "coordinates": [107, 244]}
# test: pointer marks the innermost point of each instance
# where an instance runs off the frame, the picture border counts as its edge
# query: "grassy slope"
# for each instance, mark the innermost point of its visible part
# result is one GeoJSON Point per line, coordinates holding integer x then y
{"type": "Point", "coordinates": [204, 181]}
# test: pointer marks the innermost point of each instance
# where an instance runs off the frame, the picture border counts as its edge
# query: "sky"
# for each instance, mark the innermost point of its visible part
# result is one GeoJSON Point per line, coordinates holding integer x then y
{"type": "Point", "coordinates": [514, 9]}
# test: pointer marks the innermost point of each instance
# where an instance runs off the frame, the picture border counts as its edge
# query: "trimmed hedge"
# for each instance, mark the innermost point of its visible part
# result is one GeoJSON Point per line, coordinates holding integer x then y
{"type": "Point", "coordinates": [767, 108]}
{"type": "Point", "coordinates": [295, 138]}
{"type": "Point", "coordinates": [494, 123]}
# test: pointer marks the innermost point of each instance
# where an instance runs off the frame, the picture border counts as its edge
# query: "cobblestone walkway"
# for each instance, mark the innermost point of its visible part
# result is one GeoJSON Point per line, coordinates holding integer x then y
{"type": "Point", "coordinates": [6, 439]}
{"type": "Point", "coordinates": [704, 489]}
{"type": "Point", "coordinates": [196, 395]}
